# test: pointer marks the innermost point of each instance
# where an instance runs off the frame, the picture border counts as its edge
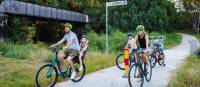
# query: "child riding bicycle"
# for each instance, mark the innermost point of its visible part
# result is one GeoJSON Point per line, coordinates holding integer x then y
{"type": "Point", "coordinates": [158, 47]}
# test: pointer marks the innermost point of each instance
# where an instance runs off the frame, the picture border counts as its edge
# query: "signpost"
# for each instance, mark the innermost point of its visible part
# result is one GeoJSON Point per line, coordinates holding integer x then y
{"type": "Point", "coordinates": [109, 4]}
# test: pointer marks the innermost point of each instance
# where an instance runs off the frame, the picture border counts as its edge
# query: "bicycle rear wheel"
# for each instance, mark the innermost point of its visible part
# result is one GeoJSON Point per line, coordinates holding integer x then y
{"type": "Point", "coordinates": [46, 76]}
{"type": "Point", "coordinates": [79, 74]}
{"type": "Point", "coordinates": [135, 76]}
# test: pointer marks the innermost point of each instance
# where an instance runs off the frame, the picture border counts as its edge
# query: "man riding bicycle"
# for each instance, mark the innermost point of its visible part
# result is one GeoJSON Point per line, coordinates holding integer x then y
{"type": "Point", "coordinates": [71, 50]}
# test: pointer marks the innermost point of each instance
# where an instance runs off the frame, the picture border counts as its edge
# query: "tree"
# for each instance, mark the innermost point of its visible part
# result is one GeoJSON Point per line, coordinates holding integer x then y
{"type": "Point", "coordinates": [193, 7]}
{"type": "Point", "coordinates": [156, 15]}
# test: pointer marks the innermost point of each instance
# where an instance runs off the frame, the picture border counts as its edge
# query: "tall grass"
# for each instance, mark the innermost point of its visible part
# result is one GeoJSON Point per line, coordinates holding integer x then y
{"type": "Point", "coordinates": [17, 73]}
{"type": "Point", "coordinates": [96, 60]}
{"type": "Point", "coordinates": [26, 51]}
{"type": "Point", "coordinates": [188, 75]}
{"type": "Point", "coordinates": [20, 73]}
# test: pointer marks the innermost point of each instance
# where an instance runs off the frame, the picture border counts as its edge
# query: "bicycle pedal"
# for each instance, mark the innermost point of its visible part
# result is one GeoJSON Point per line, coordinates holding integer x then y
{"type": "Point", "coordinates": [163, 64]}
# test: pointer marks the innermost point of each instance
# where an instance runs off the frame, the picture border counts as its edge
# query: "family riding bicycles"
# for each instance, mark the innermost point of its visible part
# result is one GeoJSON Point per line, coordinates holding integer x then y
{"type": "Point", "coordinates": [73, 53]}
{"type": "Point", "coordinates": [139, 62]}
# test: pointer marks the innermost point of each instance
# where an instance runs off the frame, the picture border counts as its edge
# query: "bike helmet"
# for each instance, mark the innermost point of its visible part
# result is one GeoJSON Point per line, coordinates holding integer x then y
{"type": "Point", "coordinates": [155, 41]}
{"type": "Point", "coordinates": [140, 27]}
{"type": "Point", "coordinates": [68, 25]}
{"type": "Point", "coordinates": [129, 34]}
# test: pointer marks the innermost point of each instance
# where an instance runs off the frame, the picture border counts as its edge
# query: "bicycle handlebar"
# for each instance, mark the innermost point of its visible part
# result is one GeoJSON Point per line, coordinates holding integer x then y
{"type": "Point", "coordinates": [55, 49]}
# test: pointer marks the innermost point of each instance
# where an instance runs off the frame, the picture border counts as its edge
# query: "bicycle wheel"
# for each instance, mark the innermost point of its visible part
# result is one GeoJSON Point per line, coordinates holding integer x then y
{"type": "Point", "coordinates": [153, 61]}
{"type": "Point", "coordinates": [120, 61]}
{"type": "Point", "coordinates": [149, 71]}
{"type": "Point", "coordinates": [135, 76]}
{"type": "Point", "coordinates": [79, 74]}
{"type": "Point", "coordinates": [161, 59]}
{"type": "Point", "coordinates": [46, 76]}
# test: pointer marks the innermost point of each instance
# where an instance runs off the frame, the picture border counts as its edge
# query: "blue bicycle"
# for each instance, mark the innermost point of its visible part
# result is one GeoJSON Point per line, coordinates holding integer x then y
{"type": "Point", "coordinates": [47, 75]}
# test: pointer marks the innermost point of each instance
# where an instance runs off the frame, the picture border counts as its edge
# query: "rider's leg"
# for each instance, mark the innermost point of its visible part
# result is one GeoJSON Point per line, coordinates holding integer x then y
{"type": "Point", "coordinates": [61, 56]}
{"type": "Point", "coordinates": [145, 58]}
{"type": "Point", "coordinates": [80, 60]}
{"type": "Point", "coordinates": [146, 62]}
{"type": "Point", "coordinates": [69, 60]}
{"type": "Point", "coordinates": [135, 56]}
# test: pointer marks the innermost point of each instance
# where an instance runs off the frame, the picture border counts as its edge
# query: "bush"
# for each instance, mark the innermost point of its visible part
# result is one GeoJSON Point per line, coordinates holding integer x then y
{"type": "Point", "coordinates": [16, 51]}
{"type": "Point", "coordinates": [117, 41]}
{"type": "Point", "coordinates": [26, 51]}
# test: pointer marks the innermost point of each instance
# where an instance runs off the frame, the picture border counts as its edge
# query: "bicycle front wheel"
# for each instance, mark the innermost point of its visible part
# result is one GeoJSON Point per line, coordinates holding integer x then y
{"type": "Point", "coordinates": [161, 59]}
{"type": "Point", "coordinates": [148, 73]}
{"type": "Point", "coordinates": [46, 76]}
{"type": "Point", "coordinates": [152, 61]}
{"type": "Point", "coordinates": [135, 76]}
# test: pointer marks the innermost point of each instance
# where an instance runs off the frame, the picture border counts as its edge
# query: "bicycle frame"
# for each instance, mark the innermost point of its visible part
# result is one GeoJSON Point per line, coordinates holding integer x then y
{"type": "Point", "coordinates": [139, 64]}
{"type": "Point", "coordinates": [55, 61]}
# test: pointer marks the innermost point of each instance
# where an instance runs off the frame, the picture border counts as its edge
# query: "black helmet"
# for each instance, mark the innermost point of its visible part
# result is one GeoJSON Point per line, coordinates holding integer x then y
{"type": "Point", "coordinates": [84, 36]}
{"type": "Point", "coordinates": [129, 34]}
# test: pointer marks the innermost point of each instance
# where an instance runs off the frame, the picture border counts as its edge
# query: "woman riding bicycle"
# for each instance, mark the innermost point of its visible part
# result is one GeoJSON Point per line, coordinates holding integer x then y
{"type": "Point", "coordinates": [143, 40]}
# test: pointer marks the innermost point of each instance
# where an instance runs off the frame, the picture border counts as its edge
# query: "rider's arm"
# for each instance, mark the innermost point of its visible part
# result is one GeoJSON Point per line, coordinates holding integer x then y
{"type": "Point", "coordinates": [147, 41]}
{"type": "Point", "coordinates": [136, 37]}
{"type": "Point", "coordinates": [59, 42]}
{"type": "Point", "coordinates": [68, 43]}
{"type": "Point", "coordinates": [133, 42]}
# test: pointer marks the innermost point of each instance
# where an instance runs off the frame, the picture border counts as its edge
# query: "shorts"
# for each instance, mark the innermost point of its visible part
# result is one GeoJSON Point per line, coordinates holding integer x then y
{"type": "Point", "coordinates": [134, 50]}
{"type": "Point", "coordinates": [70, 52]}
{"type": "Point", "coordinates": [144, 50]}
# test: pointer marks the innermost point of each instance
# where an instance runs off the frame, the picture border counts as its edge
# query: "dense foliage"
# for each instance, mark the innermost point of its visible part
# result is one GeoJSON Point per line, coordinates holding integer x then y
{"type": "Point", "coordinates": [156, 15]}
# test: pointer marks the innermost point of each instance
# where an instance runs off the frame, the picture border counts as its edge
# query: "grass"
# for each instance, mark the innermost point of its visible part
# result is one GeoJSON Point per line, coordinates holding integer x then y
{"type": "Point", "coordinates": [188, 75]}
{"type": "Point", "coordinates": [16, 73]}
{"type": "Point", "coordinates": [172, 40]}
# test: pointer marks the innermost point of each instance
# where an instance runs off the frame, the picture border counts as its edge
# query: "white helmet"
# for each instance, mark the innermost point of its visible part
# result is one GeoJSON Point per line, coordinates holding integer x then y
{"type": "Point", "coordinates": [155, 41]}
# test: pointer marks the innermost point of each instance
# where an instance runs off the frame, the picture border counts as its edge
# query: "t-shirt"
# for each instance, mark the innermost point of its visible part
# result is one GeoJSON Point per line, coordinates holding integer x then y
{"type": "Point", "coordinates": [72, 36]}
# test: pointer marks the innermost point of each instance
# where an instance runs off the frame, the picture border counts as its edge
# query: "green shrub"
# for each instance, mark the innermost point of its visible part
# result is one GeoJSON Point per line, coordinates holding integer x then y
{"type": "Point", "coordinates": [26, 51]}
{"type": "Point", "coordinates": [117, 41]}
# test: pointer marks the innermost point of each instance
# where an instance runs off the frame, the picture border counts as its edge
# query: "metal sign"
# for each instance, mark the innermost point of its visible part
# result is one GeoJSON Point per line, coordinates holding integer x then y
{"type": "Point", "coordinates": [108, 4]}
{"type": "Point", "coordinates": [115, 3]}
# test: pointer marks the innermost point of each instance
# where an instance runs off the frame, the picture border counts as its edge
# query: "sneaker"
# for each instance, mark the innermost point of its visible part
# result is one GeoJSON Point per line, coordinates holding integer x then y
{"type": "Point", "coordinates": [81, 68]}
{"type": "Point", "coordinates": [73, 74]}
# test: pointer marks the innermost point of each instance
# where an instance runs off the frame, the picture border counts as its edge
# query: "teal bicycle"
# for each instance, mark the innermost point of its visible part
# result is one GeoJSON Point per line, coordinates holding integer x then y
{"type": "Point", "coordinates": [47, 75]}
